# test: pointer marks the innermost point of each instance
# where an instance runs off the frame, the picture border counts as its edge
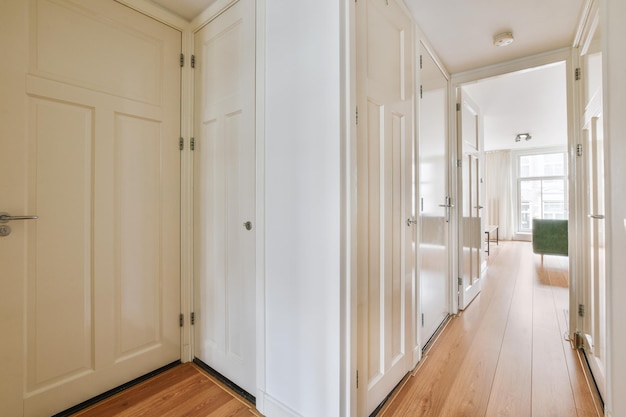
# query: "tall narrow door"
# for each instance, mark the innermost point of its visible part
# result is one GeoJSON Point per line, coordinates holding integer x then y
{"type": "Point", "coordinates": [386, 225]}
{"type": "Point", "coordinates": [91, 289]}
{"type": "Point", "coordinates": [224, 195]}
{"type": "Point", "coordinates": [471, 254]}
{"type": "Point", "coordinates": [594, 320]}
{"type": "Point", "coordinates": [433, 208]}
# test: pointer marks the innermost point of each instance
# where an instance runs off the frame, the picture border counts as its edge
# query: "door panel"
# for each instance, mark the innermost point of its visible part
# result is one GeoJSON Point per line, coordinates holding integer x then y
{"type": "Point", "coordinates": [470, 227]}
{"type": "Point", "coordinates": [100, 167]}
{"type": "Point", "coordinates": [386, 257]}
{"type": "Point", "coordinates": [224, 192]}
{"type": "Point", "coordinates": [58, 250]}
{"type": "Point", "coordinates": [433, 190]}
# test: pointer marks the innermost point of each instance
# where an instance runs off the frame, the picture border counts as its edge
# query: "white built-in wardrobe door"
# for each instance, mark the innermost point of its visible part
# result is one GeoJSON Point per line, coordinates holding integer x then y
{"type": "Point", "coordinates": [224, 195]}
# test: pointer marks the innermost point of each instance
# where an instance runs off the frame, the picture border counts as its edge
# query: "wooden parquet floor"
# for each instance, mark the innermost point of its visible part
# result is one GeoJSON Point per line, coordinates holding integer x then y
{"type": "Point", "coordinates": [506, 355]}
{"type": "Point", "coordinates": [184, 390]}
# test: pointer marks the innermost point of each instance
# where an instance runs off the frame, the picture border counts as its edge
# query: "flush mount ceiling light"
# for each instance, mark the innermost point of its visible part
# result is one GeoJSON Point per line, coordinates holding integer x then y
{"type": "Point", "coordinates": [503, 39]}
{"type": "Point", "coordinates": [525, 136]}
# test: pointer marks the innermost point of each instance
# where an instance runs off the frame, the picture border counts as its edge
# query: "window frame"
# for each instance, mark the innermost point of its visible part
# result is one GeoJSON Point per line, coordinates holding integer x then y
{"type": "Point", "coordinates": [522, 234]}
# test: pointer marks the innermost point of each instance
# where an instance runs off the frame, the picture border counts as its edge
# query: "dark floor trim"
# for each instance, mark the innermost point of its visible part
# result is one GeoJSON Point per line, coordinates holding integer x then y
{"type": "Point", "coordinates": [593, 378]}
{"type": "Point", "coordinates": [110, 393]}
{"type": "Point", "coordinates": [388, 397]}
{"type": "Point", "coordinates": [436, 334]}
{"type": "Point", "coordinates": [230, 384]}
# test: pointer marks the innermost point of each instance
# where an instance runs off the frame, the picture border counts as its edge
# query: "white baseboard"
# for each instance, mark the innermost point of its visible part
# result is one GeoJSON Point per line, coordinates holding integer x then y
{"type": "Point", "coordinates": [274, 408]}
{"type": "Point", "coordinates": [417, 356]}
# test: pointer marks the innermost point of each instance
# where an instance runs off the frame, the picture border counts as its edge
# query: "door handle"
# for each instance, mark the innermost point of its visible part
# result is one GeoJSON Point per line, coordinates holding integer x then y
{"type": "Point", "coordinates": [6, 217]}
{"type": "Point", "coordinates": [448, 205]}
{"type": "Point", "coordinates": [411, 221]}
{"type": "Point", "coordinates": [596, 216]}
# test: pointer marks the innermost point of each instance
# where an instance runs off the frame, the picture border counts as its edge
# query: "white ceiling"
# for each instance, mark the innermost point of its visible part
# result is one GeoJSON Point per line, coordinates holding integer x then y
{"type": "Point", "coordinates": [532, 101]}
{"type": "Point", "coordinates": [461, 32]}
{"type": "Point", "coordinates": [187, 9]}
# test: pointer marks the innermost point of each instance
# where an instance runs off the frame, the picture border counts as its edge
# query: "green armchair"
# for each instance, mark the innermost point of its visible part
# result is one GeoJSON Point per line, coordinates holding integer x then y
{"type": "Point", "coordinates": [550, 237]}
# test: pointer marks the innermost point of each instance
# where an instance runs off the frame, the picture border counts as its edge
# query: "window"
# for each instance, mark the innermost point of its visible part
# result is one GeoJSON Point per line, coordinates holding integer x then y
{"type": "Point", "coordinates": [542, 188]}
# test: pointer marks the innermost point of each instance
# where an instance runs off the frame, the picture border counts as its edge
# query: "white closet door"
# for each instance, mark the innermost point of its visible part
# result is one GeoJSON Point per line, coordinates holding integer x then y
{"type": "Point", "coordinates": [224, 194]}
{"type": "Point", "coordinates": [386, 245]}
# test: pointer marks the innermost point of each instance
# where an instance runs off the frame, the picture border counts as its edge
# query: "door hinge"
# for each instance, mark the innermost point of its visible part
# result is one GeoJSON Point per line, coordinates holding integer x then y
{"type": "Point", "coordinates": [181, 320]}
{"type": "Point", "coordinates": [193, 61]}
{"type": "Point", "coordinates": [460, 281]}
{"type": "Point", "coordinates": [459, 163]}
{"type": "Point", "coordinates": [421, 91]}
{"type": "Point", "coordinates": [193, 318]}
{"type": "Point", "coordinates": [581, 310]}
{"type": "Point", "coordinates": [421, 62]}
{"type": "Point", "coordinates": [458, 106]}
{"type": "Point", "coordinates": [357, 379]}
{"type": "Point", "coordinates": [182, 60]}
{"type": "Point", "coordinates": [356, 118]}
{"type": "Point", "coordinates": [181, 143]}
{"type": "Point", "coordinates": [422, 319]}
{"type": "Point", "coordinates": [192, 144]}
{"type": "Point", "coordinates": [577, 74]}
{"type": "Point", "coordinates": [579, 149]}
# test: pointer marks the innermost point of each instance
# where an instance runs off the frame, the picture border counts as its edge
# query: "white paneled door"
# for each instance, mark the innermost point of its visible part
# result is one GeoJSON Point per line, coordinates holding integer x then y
{"type": "Point", "coordinates": [434, 201]}
{"type": "Point", "coordinates": [224, 193]}
{"type": "Point", "coordinates": [386, 222]}
{"type": "Point", "coordinates": [471, 255]}
{"type": "Point", "coordinates": [90, 124]}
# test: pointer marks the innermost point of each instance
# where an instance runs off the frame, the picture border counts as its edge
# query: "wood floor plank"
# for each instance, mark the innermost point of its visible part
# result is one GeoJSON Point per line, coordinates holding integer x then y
{"type": "Point", "coordinates": [184, 390]}
{"type": "Point", "coordinates": [473, 384]}
{"type": "Point", "coordinates": [511, 392]}
{"type": "Point", "coordinates": [551, 390]}
{"type": "Point", "coordinates": [134, 396]}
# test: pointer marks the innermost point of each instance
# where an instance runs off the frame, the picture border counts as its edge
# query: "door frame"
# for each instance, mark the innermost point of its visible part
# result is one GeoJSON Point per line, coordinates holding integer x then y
{"type": "Point", "coordinates": [587, 111]}
{"type": "Point", "coordinates": [575, 225]}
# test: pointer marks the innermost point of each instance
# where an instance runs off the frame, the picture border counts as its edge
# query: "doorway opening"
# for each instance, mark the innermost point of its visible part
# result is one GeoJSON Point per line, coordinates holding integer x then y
{"type": "Point", "coordinates": [525, 175]}
{"type": "Point", "coordinates": [525, 147]}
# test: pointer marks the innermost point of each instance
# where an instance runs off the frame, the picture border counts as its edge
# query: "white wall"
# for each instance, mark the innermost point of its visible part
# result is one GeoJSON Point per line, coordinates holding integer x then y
{"type": "Point", "coordinates": [303, 208]}
{"type": "Point", "coordinates": [614, 65]}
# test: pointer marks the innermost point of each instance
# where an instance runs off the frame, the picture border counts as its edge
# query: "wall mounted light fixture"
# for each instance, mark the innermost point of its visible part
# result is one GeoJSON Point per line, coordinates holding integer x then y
{"type": "Point", "coordinates": [525, 136]}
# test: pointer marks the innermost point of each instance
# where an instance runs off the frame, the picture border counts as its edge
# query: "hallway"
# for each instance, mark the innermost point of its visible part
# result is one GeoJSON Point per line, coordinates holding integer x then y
{"type": "Point", "coordinates": [506, 354]}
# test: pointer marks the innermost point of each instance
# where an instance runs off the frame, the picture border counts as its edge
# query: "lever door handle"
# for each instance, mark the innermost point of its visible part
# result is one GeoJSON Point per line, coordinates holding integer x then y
{"type": "Point", "coordinates": [411, 221]}
{"type": "Point", "coordinates": [596, 216]}
{"type": "Point", "coordinates": [6, 217]}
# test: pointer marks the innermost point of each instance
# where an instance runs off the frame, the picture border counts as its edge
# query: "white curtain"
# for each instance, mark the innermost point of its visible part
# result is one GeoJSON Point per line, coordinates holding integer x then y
{"type": "Point", "coordinates": [499, 192]}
